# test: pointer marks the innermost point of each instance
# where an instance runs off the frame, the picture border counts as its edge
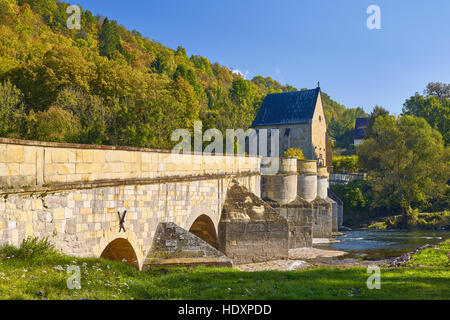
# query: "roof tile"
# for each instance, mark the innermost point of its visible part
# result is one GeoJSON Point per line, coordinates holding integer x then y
{"type": "Point", "coordinates": [287, 108]}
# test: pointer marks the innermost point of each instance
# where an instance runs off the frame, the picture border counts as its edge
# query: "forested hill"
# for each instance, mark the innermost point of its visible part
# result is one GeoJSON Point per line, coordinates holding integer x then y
{"type": "Point", "coordinates": [104, 84]}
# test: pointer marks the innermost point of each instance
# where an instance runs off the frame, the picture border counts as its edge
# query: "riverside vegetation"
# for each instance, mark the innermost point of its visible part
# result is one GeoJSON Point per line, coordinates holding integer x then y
{"type": "Point", "coordinates": [36, 271]}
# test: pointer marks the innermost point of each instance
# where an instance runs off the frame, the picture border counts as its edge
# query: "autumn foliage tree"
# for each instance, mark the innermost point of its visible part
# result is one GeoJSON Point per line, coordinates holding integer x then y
{"type": "Point", "coordinates": [406, 158]}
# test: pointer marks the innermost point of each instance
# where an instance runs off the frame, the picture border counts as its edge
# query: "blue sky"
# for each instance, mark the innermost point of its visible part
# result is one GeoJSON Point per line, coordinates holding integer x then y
{"type": "Point", "coordinates": [301, 42]}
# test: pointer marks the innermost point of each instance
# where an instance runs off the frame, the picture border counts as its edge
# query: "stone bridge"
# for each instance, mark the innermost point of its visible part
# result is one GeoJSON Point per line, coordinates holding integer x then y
{"type": "Point", "coordinates": [149, 207]}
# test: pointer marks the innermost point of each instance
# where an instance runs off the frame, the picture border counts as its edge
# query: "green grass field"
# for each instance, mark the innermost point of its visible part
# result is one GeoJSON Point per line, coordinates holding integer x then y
{"type": "Point", "coordinates": [35, 271]}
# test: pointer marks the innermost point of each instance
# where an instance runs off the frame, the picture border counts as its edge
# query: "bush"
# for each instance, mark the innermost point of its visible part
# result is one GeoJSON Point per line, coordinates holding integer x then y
{"type": "Point", "coordinates": [347, 164]}
{"type": "Point", "coordinates": [30, 249]}
{"type": "Point", "coordinates": [295, 153]}
{"type": "Point", "coordinates": [57, 125]}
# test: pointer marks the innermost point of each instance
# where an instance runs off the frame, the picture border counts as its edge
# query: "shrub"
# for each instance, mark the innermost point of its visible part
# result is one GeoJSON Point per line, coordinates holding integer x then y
{"type": "Point", "coordinates": [347, 164]}
{"type": "Point", "coordinates": [295, 153]}
{"type": "Point", "coordinates": [57, 125]}
{"type": "Point", "coordinates": [30, 249]}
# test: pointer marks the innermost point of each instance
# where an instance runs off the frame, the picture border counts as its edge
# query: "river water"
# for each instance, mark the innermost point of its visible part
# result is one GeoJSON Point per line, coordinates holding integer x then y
{"type": "Point", "coordinates": [379, 245]}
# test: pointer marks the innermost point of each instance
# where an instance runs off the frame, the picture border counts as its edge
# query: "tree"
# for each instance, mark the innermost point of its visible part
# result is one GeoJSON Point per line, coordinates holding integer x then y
{"type": "Point", "coordinates": [438, 89]}
{"type": "Point", "coordinates": [202, 63]}
{"type": "Point", "coordinates": [406, 158]}
{"type": "Point", "coordinates": [42, 79]}
{"type": "Point", "coordinates": [435, 108]}
{"type": "Point", "coordinates": [189, 75]}
{"type": "Point", "coordinates": [12, 111]}
{"type": "Point", "coordinates": [109, 39]}
{"type": "Point", "coordinates": [376, 112]}
{"type": "Point", "coordinates": [342, 128]}
{"type": "Point", "coordinates": [91, 112]}
{"type": "Point", "coordinates": [160, 64]}
{"type": "Point", "coordinates": [56, 125]}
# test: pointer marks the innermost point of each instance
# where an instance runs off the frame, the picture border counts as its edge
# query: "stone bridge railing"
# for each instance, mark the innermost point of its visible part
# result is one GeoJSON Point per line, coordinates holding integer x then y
{"type": "Point", "coordinates": [32, 164]}
{"type": "Point", "coordinates": [343, 178]}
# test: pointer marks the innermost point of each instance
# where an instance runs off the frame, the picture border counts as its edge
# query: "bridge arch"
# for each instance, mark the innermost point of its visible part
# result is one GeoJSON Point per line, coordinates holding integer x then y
{"type": "Point", "coordinates": [121, 249]}
{"type": "Point", "coordinates": [114, 241]}
{"type": "Point", "coordinates": [204, 228]}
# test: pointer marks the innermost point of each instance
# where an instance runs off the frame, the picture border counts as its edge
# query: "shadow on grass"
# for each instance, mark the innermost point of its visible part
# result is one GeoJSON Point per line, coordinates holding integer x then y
{"type": "Point", "coordinates": [203, 283]}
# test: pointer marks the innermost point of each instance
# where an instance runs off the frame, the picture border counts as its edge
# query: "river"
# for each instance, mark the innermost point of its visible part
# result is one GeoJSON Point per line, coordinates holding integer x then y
{"type": "Point", "coordinates": [379, 245]}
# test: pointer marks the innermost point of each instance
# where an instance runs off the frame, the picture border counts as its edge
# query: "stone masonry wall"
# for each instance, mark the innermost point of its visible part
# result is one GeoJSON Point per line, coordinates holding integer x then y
{"type": "Point", "coordinates": [319, 133]}
{"type": "Point", "coordinates": [299, 215]}
{"type": "Point", "coordinates": [322, 219]}
{"type": "Point", "coordinates": [175, 246]}
{"type": "Point", "coordinates": [250, 230]}
{"type": "Point", "coordinates": [24, 164]}
{"type": "Point", "coordinates": [82, 222]}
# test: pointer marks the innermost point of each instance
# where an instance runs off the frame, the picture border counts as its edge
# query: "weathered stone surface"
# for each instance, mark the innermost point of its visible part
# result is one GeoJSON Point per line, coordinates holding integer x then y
{"type": "Point", "coordinates": [299, 215]}
{"type": "Point", "coordinates": [83, 222]}
{"type": "Point", "coordinates": [307, 186]}
{"type": "Point", "coordinates": [250, 230]}
{"type": "Point", "coordinates": [322, 219]}
{"type": "Point", "coordinates": [32, 163]}
{"type": "Point", "coordinates": [340, 208]}
{"type": "Point", "coordinates": [313, 253]}
{"type": "Point", "coordinates": [281, 188]}
{"type": "Point", "coordinates": [72, 194]}
{"type": "Point", "coordinates": [173, 245]}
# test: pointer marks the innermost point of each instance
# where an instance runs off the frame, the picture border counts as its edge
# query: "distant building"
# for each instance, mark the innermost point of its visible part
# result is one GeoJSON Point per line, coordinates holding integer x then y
{"type": "Point", "coordinates": [360, 130]}
{"type": "Point", "coordinates": [301, 120]}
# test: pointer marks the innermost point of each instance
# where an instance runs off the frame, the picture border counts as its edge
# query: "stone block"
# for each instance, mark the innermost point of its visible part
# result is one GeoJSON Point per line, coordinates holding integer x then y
{"type": "Point", "coordinates": [13, 169]}
{"type": "Point", "coordinates": [15, 154]}
{"type": "Point", "coordinates": [88, 156]}
{"type": "Point", "coordinates": [30, 154]}
{"type": "Point", "coordinates": [59, 155]}
{"type": "Point", "coordinates": [27, 169]}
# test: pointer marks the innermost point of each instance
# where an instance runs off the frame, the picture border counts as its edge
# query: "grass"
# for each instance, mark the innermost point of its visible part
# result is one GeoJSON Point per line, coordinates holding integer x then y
{"type": "Point", "coordinates": [35, 271]}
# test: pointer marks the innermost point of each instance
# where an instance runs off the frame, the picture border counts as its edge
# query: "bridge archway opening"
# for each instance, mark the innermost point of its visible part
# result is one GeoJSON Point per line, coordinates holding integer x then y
{"type": "Point", "coordinates": [121, 250]}
{"type": "Point", "coordinates": [204, 228]}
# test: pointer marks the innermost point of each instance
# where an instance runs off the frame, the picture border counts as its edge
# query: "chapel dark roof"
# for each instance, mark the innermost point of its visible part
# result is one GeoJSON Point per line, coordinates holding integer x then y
{"type": "Point", "coordinates": [362, 123]}
{"type": "Point", "coordinates": [287, 108]}
{"type": "Point", "coordinates": [360, 128]}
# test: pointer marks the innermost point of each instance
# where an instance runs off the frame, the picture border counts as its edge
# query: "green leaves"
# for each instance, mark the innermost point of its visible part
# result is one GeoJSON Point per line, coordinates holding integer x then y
{"type": "Point", "coordinates": [406, 158]}
{"type": "Point", "coordinates": [12, 111]}
{"type": "Point", "coordinates": [109, 39]}
{"type": "Point", "coordinates": [347, 164]}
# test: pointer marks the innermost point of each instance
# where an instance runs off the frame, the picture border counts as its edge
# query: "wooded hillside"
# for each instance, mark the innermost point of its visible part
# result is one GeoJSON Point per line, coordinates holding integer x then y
{"type": "Point", "coordinates": [104, 84]}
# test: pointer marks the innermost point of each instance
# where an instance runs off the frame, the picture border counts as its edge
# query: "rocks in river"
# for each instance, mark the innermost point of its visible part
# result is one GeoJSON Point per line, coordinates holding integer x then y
{"type": "Point", "coordinates": [344, 228]}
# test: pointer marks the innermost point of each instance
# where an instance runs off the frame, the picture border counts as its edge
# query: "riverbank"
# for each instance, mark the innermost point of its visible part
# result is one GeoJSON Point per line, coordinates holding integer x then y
{"type": "Point", "coordinates": [37, 272]}
{"type": "Point", "coordinates": [419, 221]}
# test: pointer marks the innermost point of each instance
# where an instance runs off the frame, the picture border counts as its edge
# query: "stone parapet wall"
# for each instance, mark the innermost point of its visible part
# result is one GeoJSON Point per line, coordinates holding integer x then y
{"type": "Point", "coordinates": [30, 163]}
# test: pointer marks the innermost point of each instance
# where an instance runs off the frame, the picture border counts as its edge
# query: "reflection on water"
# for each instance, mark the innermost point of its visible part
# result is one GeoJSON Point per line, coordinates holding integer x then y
{"type": "Point", "coordinates": [377, 245]}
